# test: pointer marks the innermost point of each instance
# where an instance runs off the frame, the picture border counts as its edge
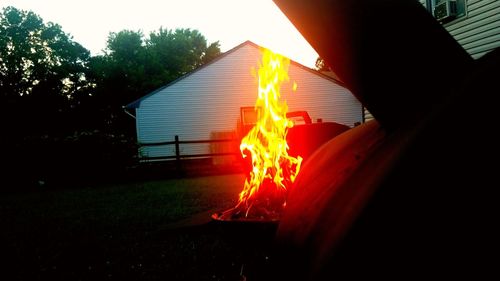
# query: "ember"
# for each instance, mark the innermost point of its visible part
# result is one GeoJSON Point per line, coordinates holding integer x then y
{"type": "Point", "coordinates": [273, 170]}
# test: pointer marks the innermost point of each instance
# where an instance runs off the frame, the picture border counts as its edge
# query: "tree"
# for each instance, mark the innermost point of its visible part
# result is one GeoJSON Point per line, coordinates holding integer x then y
{"type": "Point", "coordinates": [212, 52]}
{"type": "Point", "coordinates": [41, 69]}
{"type": "Point", "coordinates": [133, 66]}
{"type": "Point", "coordinates": [43, 75]}
{"type": "Point", "coordinates": [59, 103]}
{"type": "Point", "coordinates": [181, 51]}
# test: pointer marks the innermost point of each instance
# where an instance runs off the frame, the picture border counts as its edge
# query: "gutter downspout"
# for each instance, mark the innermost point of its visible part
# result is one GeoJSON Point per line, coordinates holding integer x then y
{"type": "Point", "coordinates": [128, 112]}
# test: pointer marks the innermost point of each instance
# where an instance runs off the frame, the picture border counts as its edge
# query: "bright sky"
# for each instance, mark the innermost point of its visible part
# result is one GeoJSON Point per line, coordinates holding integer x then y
{"type": "Point", "coordinates": [231, 22]}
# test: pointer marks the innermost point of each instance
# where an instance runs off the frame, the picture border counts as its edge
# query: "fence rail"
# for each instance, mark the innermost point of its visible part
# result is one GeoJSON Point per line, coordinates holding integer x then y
{"type": "Point", "coordinates": [178, 156]}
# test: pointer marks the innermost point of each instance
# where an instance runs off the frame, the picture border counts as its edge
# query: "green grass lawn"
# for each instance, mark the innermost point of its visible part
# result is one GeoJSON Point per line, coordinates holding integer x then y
{"type": "Point", "coordinates": [121, 232]}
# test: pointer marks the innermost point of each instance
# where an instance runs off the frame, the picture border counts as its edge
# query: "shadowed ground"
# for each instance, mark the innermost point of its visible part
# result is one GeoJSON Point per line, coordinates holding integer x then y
{"type": "Point", "coordinates": [157, 230]}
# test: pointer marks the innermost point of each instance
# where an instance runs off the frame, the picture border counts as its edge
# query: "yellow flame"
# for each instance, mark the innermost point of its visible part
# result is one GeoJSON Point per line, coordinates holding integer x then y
{"type": "Point", "coordinates": [266, 141]}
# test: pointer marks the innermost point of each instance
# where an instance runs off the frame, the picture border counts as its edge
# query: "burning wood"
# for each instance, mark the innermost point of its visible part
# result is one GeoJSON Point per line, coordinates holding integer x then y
{"type": "Point", "coordinates": [273, 170]}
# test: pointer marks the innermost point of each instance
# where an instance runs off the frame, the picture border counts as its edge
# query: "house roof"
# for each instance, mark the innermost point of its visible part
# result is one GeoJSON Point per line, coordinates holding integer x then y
{"type": "Point", "coordinates": [137, 103]}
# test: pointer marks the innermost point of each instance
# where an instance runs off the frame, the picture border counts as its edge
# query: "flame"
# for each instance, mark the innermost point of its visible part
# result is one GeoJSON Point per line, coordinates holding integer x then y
{"type": "Point", "coordinates": [273, 170]}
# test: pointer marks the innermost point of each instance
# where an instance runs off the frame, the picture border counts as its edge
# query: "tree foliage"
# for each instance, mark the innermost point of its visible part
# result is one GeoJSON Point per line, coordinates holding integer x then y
{"type": "Point", "coordinates": [134, 65]}
{"type": "Point", "coordinates": [41, 69]}
{"type": "Point", "coordinates": [60, 105]}
{"type": "Point", "coordinates": [146, 63]}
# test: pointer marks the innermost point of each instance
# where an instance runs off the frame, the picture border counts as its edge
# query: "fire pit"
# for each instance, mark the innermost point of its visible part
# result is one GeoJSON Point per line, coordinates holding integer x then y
{"type": "Point", "coordinates": [265, 206]}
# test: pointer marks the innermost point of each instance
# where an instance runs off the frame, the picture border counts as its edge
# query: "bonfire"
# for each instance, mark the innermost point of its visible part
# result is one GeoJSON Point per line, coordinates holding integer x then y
{"type": "Point", "coordinates": [273, 169]}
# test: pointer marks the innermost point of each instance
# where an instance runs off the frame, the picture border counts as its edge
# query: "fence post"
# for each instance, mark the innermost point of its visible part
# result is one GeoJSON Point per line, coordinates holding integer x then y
{"type": "Point", "coordinates": [177, 155]}
{"type": "Point", "coordinates": [177, 150]}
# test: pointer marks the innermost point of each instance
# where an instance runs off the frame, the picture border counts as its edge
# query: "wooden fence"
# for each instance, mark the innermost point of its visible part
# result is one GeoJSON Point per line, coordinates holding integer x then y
{"type": "Point", "coordinates": [178, 156]}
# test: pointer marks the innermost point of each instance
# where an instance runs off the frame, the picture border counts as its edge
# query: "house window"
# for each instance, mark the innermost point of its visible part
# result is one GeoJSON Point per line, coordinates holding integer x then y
{"type": "Point", "coordinates": [447, 10]}
{"type": "Point", "coordinates": [249, 115]}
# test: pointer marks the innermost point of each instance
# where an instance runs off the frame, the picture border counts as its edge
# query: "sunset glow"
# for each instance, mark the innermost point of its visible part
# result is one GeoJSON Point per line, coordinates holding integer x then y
{"type": "Point", "coordinates": [227, 21]}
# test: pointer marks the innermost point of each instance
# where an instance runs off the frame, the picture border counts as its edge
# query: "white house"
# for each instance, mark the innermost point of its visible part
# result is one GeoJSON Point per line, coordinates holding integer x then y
{"type": "Point", "coordinates": [475, 24]}
{"type": "Point", "coordinates": [206, 103]}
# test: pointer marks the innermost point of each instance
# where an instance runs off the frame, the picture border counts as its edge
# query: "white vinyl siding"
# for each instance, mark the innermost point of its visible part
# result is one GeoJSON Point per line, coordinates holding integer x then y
{"type": "Point", "coordinates": [208, 101]}
{"type": "Point", "coordinates": [479, 31]}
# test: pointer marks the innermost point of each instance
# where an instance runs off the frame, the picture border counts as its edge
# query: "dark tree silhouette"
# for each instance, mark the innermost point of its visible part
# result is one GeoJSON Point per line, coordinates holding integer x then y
{"type": "Point", "coordinates": [133, 66]}
{"type": "Point", "coordinates": [62, 113]}
{"type": "Point", "coordinates": [41, 70]}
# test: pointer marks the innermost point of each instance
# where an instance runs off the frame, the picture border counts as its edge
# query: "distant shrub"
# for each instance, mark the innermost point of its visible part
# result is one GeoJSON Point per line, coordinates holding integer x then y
{"type": "Point", "coordinates": [83, 157]}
